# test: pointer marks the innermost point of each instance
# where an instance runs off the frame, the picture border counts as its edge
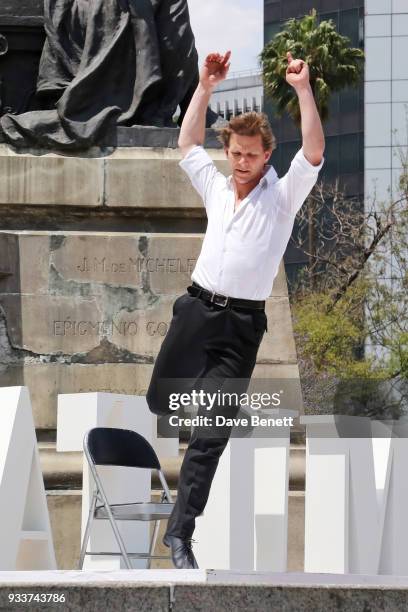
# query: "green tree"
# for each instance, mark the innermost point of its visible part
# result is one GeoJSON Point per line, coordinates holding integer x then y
{"type": "Point", "coordinates": [357, 299]}
{"type": "Point", "coordinates": [333, 63]}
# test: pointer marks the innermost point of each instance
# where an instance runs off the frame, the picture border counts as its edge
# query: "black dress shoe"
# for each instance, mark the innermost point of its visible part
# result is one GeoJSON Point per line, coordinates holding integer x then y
{"type": "Point", "coordinates": [181, 552]}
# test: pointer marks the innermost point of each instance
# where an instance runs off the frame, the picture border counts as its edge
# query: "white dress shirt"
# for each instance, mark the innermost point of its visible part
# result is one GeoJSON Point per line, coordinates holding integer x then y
{"type": "Point", "coordinates": [241, 251]}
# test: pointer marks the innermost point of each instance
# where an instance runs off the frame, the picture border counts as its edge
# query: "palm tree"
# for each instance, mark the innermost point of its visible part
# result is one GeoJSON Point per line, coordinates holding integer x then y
{"type": "Point", "coordinates": [333, 64]}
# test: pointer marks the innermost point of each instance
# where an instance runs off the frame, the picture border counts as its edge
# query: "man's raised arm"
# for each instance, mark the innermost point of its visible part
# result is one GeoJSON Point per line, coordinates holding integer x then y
{"type": "Point", "coordinates": [297, 75]}
{"type": "Point", "coordinates": [192, 130]}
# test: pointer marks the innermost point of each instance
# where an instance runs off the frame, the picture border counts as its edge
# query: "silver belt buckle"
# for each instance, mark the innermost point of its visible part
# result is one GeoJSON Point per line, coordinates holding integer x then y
{"type": "Point", "coordinates": [218, 303]}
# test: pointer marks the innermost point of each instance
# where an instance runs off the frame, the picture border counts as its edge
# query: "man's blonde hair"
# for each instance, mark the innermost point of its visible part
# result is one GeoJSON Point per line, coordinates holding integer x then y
{"type": "Point", "coordinates": [248, 124]}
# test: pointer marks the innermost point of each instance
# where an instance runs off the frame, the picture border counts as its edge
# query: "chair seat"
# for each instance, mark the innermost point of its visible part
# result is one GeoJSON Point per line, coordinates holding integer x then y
{"type": "Point", "coordinates": [140, 511]}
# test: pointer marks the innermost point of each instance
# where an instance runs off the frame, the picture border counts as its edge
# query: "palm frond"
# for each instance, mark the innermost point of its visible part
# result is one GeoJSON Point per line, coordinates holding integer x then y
{"type": "Point", "coordinates": [333, 63]}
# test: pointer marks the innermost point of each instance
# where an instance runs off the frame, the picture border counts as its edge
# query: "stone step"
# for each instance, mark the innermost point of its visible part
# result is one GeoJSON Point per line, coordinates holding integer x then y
{"type": "Point", "coordinates": [65, 515]}
{"type": "Point", "coordinates": [203, 590]}
{"type": "Point", "coordinates": [64, 470]}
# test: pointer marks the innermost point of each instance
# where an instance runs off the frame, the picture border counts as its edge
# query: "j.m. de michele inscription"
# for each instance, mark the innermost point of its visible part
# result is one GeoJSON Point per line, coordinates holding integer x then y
{"type": "Point", "coordinates": [163, 263]}
{"type": "Point", "coordinates": [139, 264]}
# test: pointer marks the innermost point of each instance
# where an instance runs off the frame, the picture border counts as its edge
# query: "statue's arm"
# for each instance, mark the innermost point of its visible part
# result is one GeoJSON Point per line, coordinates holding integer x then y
{"type": "Point", "coordinates": [192, 130]}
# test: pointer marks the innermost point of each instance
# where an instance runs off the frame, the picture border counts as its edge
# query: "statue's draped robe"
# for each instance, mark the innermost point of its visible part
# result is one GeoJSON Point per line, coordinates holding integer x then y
{"type": "Point", "coordinates": [105, 63]}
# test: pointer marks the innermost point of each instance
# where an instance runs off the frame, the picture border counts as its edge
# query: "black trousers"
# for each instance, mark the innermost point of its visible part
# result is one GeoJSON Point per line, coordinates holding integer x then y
{"type": "Point", "coordinates": [212, 344]}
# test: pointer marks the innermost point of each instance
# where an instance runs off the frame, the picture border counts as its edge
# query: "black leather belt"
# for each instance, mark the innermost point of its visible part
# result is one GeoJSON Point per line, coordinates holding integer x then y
{"type": "Point", "coordinates": [222, 300]}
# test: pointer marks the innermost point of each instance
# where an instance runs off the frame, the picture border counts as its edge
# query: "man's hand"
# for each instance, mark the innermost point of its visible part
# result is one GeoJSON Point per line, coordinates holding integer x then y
{"type": "Point", "coordinates": [297, 72]}
{"type": "Point", "coordinates": [215, 69]}
{"type": "Point", "coordinates": [192, 130]}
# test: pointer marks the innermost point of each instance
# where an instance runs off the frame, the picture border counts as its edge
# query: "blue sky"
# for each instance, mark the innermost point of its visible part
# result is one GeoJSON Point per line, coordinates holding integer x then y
{"type": "Point", "coordinates": [219, 25]}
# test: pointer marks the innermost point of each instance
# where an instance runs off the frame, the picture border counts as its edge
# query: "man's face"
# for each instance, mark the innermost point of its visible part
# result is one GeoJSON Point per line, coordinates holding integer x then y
{"type": "Point", "coordinates": [247, 157]}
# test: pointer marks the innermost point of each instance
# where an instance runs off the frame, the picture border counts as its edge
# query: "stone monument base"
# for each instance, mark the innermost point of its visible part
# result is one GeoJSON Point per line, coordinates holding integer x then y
{"type": "Point", "coordinates": [203, 590]}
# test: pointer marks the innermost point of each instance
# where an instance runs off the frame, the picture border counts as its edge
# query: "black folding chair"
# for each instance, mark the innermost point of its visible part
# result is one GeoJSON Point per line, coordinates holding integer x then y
{"type": "Point", "coordinates": [122, 447]}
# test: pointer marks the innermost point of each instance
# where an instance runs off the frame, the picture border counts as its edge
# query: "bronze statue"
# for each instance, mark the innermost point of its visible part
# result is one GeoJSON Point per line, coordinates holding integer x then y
{"type": "Point", "coordinates": [108, 63]}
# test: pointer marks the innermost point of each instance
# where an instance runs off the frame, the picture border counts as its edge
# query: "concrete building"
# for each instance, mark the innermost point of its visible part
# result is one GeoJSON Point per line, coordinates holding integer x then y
{"type": "Point", "coordinates": [386, 95]}
{"type": "Point", "coordinates": [241, 92]}
{"type": "Point", "coordinates": [368, 123]}
{"type": "Point", "coordinates": [386, 115]}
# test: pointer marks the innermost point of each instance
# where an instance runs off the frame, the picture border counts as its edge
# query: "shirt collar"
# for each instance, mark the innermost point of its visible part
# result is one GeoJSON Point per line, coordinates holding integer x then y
{"type": "Point", "coordinates": [270, 176]}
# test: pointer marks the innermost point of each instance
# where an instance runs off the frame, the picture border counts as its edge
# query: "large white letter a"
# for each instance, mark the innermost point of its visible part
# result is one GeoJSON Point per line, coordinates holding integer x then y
{"type": "Point", "coordinates": [25, 532]}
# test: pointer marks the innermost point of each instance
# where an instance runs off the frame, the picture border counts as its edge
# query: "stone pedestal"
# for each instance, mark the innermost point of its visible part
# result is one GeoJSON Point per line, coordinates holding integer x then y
{"type": "Point", "coordinates": [88, 312]}
{"type": "Point", "coordinates": [95, 248]}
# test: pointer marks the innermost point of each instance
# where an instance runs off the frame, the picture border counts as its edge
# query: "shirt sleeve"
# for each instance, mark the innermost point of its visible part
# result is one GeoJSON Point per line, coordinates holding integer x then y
{"type": "Point", "coordinates": [202, 172]}
{"type": "Point", "coordinates": [297, 183]}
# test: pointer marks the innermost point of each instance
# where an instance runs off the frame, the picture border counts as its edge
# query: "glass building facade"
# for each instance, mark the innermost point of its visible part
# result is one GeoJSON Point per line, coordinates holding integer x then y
{"type": "Point", "coordinates": [344, 130]}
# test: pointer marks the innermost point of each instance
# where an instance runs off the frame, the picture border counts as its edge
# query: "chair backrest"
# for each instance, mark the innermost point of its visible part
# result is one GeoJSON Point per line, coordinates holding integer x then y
{"type": "Point", "coordinates": [112, 446]}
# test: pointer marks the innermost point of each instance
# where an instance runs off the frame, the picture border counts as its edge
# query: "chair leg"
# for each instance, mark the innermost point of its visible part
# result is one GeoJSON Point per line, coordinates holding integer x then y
{"type": "Point", "coordinates": [111, 518]}
{"type": "Point", "coordinates": [87, 531]}
{"type": "Point", "coordinates": [116, 532]}
{"type": "Point", "coordinates": [153, 541]}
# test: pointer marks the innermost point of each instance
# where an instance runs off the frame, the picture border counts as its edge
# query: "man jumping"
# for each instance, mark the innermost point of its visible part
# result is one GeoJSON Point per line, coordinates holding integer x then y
{"type": "Point", "coordinates": [218, 324]}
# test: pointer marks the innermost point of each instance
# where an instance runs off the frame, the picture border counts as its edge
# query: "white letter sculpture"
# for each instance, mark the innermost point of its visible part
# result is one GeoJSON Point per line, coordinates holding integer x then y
{"type": "Point", "coordinates": [245, 522]}
{"type": "Point", "coordinates": [25, 531]}
{"type": "Point", "coordinates": [356, 497]}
